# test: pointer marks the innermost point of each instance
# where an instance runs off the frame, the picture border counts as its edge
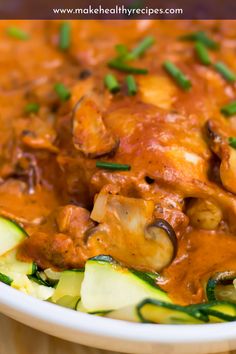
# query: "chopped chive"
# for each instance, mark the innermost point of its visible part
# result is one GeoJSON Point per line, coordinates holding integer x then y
{"type": "Point", "coordinates": [112, 166]}
{"type": "Point", "coordinates": [202, 37]}
{"type": "Point", "coordinates": [64, 36]}
{"type": "Point", "coordinates": [122, 50]}
{"type": "Point", "coordinates": [229, 109]}
{"type": "Point", "coordinates": [17, 33]}
{"type": "Point", "coordinates": [227, 74]}
{"type": "Point", "coordinates": [111, 83]}
{"type": "Point", "coordinates": [177, 75]}
{"type": "Point", "coordinates": [121, 66]}
{"type": "Point", "coordinates": [141, 47]}
{"type": "Point", "coordinates": [5, 279]}
{"type": "Point", "coordinates": [232, 142]}
{"type": "Point", "coordinates": [202, 53]}
{"type": "Point", "coordinates": [62, 91]}
{"type": "Point", "coordinates": [131, 84]}
{"type": "Point", "coordinates": [32, 107]}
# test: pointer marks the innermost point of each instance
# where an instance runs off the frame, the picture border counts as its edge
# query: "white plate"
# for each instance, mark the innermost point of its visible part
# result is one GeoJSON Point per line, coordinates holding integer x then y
{"type": "Point", "coordinates": [113, 334]}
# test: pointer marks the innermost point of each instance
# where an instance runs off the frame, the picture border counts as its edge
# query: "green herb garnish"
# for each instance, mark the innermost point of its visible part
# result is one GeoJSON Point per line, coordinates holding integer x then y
{"type": "Point", "coordinates": [17, 33]}
{"type": "Point", "coordinates": [122, 50]}
{"type": "Point", "coordinates": [227, 74]}
{"type": "Point", "coordinates": [32, 107]}
{"type": "Point", "coordinates": [131, 85]}
{"type": "Point", "coordinates": [112, 166]}
{"type": "Point", "coordinates": [62, 91]}
{"type": "Point", "coordinates": [122, 66]}
{"type": "Point", "coordinates": [111, 83]}
{"type": "Point", "coordinates": [141, 48]}
{"type": "Point", "coordinates": [229, 109]}
{"type": "Point", "coordinates": [177, 75]}
{"type": "Point", "coordinates": [202, 37]}
{"type": "Point", "coordinates": [232, 142]}
{"type": "Point", "coordinates": [65, 36]}
{"type": "Point", "coordinates": [202, 53]}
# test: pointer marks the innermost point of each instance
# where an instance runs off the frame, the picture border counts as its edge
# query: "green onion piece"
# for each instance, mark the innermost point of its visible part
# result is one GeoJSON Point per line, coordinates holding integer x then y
{"type": "Point", "coordinates": [227, 74]}
{"type": "Point", "coordinates": [122, 50]}
{"type": "Point", "coordinates": [131, 84]}
{"type": "Point", "coordinates": [112, 166]}
{"type": "Point", "coordinates": [121, 66]}
{"type": "Point", "coordinates": [64, 37]}
{"type": "Point", "coordinates": [17, 33]}
{"type": "Point", "coordinates": [177, 75]}
{"type": "Point", "coordinates": [202, 53]}
{"type": "Point", "coordinates": [62, 91]}
{"type": "Point", "coordinates": [32, 107]}
{"type": "Point", "coordinates": [232, 142]}
{"type": "Point", "coordinates": [111, 83]}
{"type": "Point", "coordinates": [202, 37]}
{"type": "Point", "coordinates": [141, 48]}
{"type": "Point", "coordinates": [229, 109]}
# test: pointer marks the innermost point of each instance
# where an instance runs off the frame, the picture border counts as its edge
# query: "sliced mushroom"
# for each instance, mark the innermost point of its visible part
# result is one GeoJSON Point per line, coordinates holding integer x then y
{"type": "Point", "coordinates": [218, 141]}
{"type": "Point", "coordinates": [164, 235]}
{"type": "Point", "coordinates": [128, 232]}
{"type": "Point", "coordinates": [204, 214]}
{"type": "Point", "coordinates": [90, 134]}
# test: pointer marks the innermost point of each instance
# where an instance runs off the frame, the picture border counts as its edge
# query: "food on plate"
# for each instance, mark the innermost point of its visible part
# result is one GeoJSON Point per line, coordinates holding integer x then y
{"type": "Point", "coordinates": [118, 167]}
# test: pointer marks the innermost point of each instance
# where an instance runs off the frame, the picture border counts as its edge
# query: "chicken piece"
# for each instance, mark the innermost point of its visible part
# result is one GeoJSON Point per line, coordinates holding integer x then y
{"type": "Point", "coordinates": [90, 134]}
{"type": "Point", "coordinates": [157, 90]}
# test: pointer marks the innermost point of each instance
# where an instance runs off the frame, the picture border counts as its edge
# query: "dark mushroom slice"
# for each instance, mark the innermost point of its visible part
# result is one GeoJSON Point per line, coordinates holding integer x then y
{"type": "Point", "coordinates": [218, 142]}
{"type": "Point", "coordinates": [126, 228]}
{"type": "Point", "coordinates": [164, 235]}
{"type": "Point", "coordinates": [221, 287]}
{"type": "Point", "coordinates": [90, 135]}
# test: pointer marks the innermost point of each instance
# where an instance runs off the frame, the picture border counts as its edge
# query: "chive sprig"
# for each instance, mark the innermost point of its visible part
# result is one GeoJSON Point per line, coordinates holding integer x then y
{"type": "Point", "coordinates": [141, 48]}
{"type": "Point", "coordinates": [202, 53]}
{"type": "Point", "coordinates": [180, 78]}
{"type": "Point", "coordinates": [17, 33]}
{"type": "Point", "coordinates": [225, 72]}
{"type": "Point", "coordinates": [232, 142]}
{"type": "Point", "coordinates": [62, 91]}
{"type": "Point", "coordinates": [229, 109]}
{"type": "Point", "coordinates": [65, 36]}
{"type": "Point", "coordinates": [32, 107]}
{"type": "Point", "coordinates": [111, 83]}
{"type": "Point", "coordinates": [202, 37]}
{"type": "Point", "coordinates": [112, 166]}
{"type": "Point", "coordinates": [131, 85]}
{"type": "Point", "coordinates": [122, 66]}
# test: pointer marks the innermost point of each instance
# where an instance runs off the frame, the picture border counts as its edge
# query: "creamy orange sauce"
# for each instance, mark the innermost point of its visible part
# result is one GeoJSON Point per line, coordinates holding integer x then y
{"type": "Point", "coordinates": [48, 174]}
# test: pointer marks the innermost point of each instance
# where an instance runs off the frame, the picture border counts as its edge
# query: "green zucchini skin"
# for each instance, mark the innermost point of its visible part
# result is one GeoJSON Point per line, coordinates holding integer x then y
{"type": "Point", "coordinates": [68, 288]}
{"type": "Point", "coordinates": [108, 286]}
{"type": "Point", "coordinates": [213, 282]}
{"type": "Point", "coordinates": [146, 276]}
{"type": "Point", "coordinates": [187, 314]}
{"type": "Point", "coordinates": [5, 279]}
{"type": "Point", "coordinates": [210, 289]}
{"type": "Point", "coordinates": [216, 311]}
{"type": "Point", "coordinates": [12, 234]}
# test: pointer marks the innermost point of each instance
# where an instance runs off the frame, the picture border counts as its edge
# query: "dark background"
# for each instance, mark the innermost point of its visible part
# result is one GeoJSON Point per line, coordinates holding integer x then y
{"type": "Point", "coordinates": [42, 9]}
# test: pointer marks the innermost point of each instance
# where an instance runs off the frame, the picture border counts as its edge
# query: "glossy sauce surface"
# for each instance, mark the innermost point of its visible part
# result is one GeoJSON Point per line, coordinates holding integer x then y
{"type": "Point", "coordinates": [49, 179]}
